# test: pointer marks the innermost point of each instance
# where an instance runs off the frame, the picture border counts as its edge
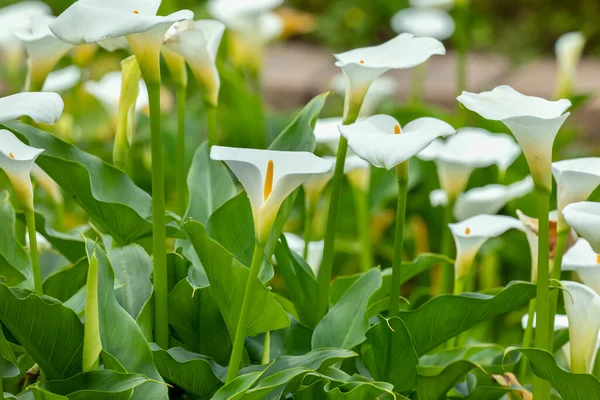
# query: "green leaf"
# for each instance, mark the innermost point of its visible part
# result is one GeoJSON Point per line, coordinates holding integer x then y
{"type": "Point", "coordinates": [194, 373]}
{"type": "Point", "coordinates": [210, 185]}
{"type": "Point", "coordinates": [390, 355]}
{"type": "Point", "coordinates": [228, 282]}
{"type": "Point", "coordinates": [346, 323]}
{"type": "Point", "coordinates": [94, 385]}
{"type": "Point", "coordinates": [323, 387]}
{"type": "Point", "coordinates": [444, 317]}
{"type": "Point", "coordinates": [15, 265]}
{"type": "Point", "coordinates": [114, 203]}
{"type": "Point", "coordinates": [10, 365]}
{"type": "Point", "coordinates": [64, 283]}
{"type": "Point", "coordinates": [235, 389]}
{"type": "Point", "coordinates": [492, 393]}
{"type": "Point", "coordinates": [568, 385]}
{"type": "Point", "coordinates": [50, 332]}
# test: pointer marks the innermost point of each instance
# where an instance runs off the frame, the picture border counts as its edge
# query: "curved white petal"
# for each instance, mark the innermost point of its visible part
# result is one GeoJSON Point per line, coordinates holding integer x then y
{"type": "Point", "coordinates": [583, 310]}
{"type": "Point", "coordinates": [108, 92]}
{"type": "Point", "coordinates": [63, 79]}
{"type": "Point", "coordinates": [576, 179]}
{"type": "Point", "coordinates": [560, 321]}
{"type": "Point", "coordinates": [500, 147]}
{"type": "Point", "coordinates": [250, 166]}
{"type": "Point", "coordinates": [374, 138]}
{"type": "Point", "coordinates": [315, 250]}
{"type": "Point", "coordinates": [380, 89]}
{"type": "Point", "coordinates": [438, 198]}
{"type": "Point", "coordinates": [584, 217]}
{"type": "Point", "coordinates": [442, 4]}
{"type": "Point", "coordinates": [585, 261]}
{"type": "Point", "coordinates": [18, 16]}
{"type": "Point", "coordinates": [45, 108]}
{"type": "Point", "coordinates": [253, 19]}
{"type": "Point", "coordinates": [424, 22]}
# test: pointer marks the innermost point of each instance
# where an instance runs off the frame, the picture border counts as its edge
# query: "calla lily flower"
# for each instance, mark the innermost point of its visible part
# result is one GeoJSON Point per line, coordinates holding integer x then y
{"type": "Point", "coordinates": [315, 250]}
{"type": "Point", "coordinates": [62, 80]}
{"type": "Point", "coordinates": [43, 108]}
{"type": "Point", "coordinates": [381, 141]}
{"type": "Point", "coordinates": [441, 4]}
{"type": "Point", "coordinates": [379, 90]}
{"type": "Point", "coordinates": [560, 321]}
{"type": "Point", "coordinates": [534, 122]}
{"type": "Point", "coordinates": [424, 22]}
{"type": "Point", "coordinates": [362, 66]}
{"type": "Point", "coordinates": [269, 177]}
{"type": "Point", "coordinates": [583, 311]}
{"type": "Point", "coordinates": [584, 218]}
{"type": "Point", "coordinates": [582, 259]}
{"type": "Point", "coordinates": [314, 186]}
{"type": "Point", "coordinates": [108, 92]}
{"type": "Point", "coordinates": [43, 48]}
{"type": "Point", "coordinates": [93, 21]}
{"type": "Point", "coordinates": [471, 234]}
{"type": "Point", "coordinates": [326, 132]}
{"type": "Point", "coordinates": [568, 49]}
{"type": "Point", "coordinates": [198, 43]}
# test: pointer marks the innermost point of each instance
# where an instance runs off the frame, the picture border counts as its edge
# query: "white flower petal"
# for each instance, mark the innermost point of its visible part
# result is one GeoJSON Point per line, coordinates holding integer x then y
{"type": "Point", "coordinates": [501, 147]}
{"type": "Point", "coordinates": [45, 108]}
{"type": "Point", "coordinates": [584, 217]}
{"type": "Point", "coordinates": [108, 92]}
{"type": "Point", "coordinates": [63, 79]}
{"type": "Point", "coordinates": [582, 259]}
{"type": "Point", "coordinates": [470, 234]}
{"type": "Point", "coordinates": [315, 250]}
{"type": "Point", "coordinates": [576, 179]}
{"type": "Point", "coordinates": [327, 132]}
{"type": "Point", "coordinates": [438, 198]}
{"type": "Point", "coordinates": [442, 4]}
{"type": "Point", "coordinates": [18, 16]}
{"type": "Point", "coordinates": [424, 22]}
{"type": "Point", "coordinates": [380, 89]}
{"type": "Point", "coordinates": [568, 49]}
{"type": "Point", "coordinates": [253, 19]}
{"type": "Point", "coordinates": [560, 321]}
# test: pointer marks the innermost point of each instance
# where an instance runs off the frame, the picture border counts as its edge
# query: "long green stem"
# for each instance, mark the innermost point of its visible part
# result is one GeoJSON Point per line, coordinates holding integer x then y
{"type": "Point", "coordinates": [266, 353]}
{"type": "Point", "coordinates": [33, 251]}
{"type": "Point", "coordinates": [527, 339]}
{"type": "Point", "coordinates": [361, 201]}
{"type": "Point", "coordinates": [161, 314]}
{"type": "Point", "coordinates": [240, 332]}
{"type": "Point", "coordinates": [559, 251]}
{"type": "Point", "coordinates": [402, 177]}
{"type": "Point", "coordinates": [308, 220]}
{"type": "Point", "coordinates": [211, 124]}
{"type": "Point", "coordinates": [541, 387]}
{"type": "Point", "coordinates": [181, 172]}
{"type": "Point", "coordinates": [447, 271]}
{"type": "Point", "coordinates": [462, 44]}
{"type": "Point", "coordinates": [91, 332]}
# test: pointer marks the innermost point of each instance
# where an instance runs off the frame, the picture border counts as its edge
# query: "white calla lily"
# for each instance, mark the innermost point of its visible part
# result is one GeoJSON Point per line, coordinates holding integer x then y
{"type": "Point", "coordinates": [471, 234]}
{"type": "Point", "coordinates": [44, 108]}
{"type": "Point", "coordinates": [379, 90]}
{"type": "Point", "coordinates": [362, 66]}
{"type": "Point", "coordinates": [108, 92]}
{"type": "Point", "coordinates": [269, 177]}
{"type": "Point", "coordinates": [424, 22]}
{"type": "Point", "coordinates": [568, 49]}
{"type": "Point", "coordinates": [534, 122]}
{"type": "Point", "coordinates": [327, 132]}
{"type": "Point", "coordinates": [583, 311]}
{"type": "Point", "coordinates": [314, 186]}
{"type": "Point", "coordinates": [582, 259]}
{"type": "Point", "coordinates": [441, 4]}
{"type": "Point", "coordinates": [63, 79]}
{"type": "Point", "coordinates": [315, 250]}
{"type": "Point", "coordinates": [381, 141]}
{"type": "Point", "coordinates": [198, 42]}
{"type": "Point", "coordinates": [438, 198]}
{"type": "Point", "coordinates": [560, 321]}
{"type": "Point", "coordinates": [584, 218]}
{"type": "Point", "coordinates": [44, 50]}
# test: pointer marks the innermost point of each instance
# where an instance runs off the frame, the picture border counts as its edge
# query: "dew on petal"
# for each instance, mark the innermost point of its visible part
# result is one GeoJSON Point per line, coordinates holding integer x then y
{"type": "Point", "coordinates": [397, 129]}
{"type": "Point", "coordinates": [268, 180]}
{"type": "Point", "coordinates": [11, 155]}
{"type": "Point", "coordinates": [467, 231]}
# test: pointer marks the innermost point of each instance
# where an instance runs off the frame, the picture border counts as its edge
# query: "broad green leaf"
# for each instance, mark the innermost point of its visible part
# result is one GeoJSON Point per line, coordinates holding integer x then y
{"type": "Point", "coordinates": [121, 337]}
{"type": "Point", "coordinates": [94, 385]}
{"type": "Point", "coordinates": [323, 387]}
{"type": "Point", "coordinates": [274, 386]}
{"type": "Point", "coordinates": [10, 365]}
{"type": "Point", "coordinates": [492, 393]}
{"type": "Point", "coordinates": [390, 355]}
{"type": "Point", "coordinates": [197, 323]}
{"type": "Point", "coordinates": [444, 317]}
{"type": "Point", "coordinates": [210, 185]}
{"type": "Point", "coordinates": [568, 385]}
{"type": "Point", "coordinates": [50, 332]}
{"type": "Point", "coordinates": [15, 265]}
{"type": "Point", "coordinates": [64, 283]}
{"type": "Point", "coordinates": [235, 389]}
{"type": "Point", "coordinates": [194, 373]}
{"type": "Point", "coordinates": [114, 203]}
{"type": "Point", "coordinates": [346, 323]}
{"type": "Point", "coordinates": [228, 282]}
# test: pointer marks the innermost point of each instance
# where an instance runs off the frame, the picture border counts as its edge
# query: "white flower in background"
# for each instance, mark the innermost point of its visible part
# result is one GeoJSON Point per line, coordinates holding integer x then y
{"type": "Point", "coordinates": [314, 186]}
{"type": "Point", "coordinates": [315, 250]}
{"type": "Point", "coordinates": [364, 65]}
{"type": "Point", "coordinates": [560, 321]}
{"type": "Point", "coordinates": [441, 4]}
{"type": "Point", "coordinates": [48, 184]}
{"type": "Point", "coordinates": [584, 218]}
{"type": "Point", "coordinates": [534, 121]}
{"type": "Point", "coordinates": [63, 79]}
{"type": "Point", "coordinates": [358, 172]}
{"type": "Point", "coordinates": [582, 259]}
{"type": "Point", "coordinates": [327, 132]}
{"type": "Point", "coordinates": [269, 177]}
{"type": "Point", "coordinates": [44, 50]}
{"type": "Point", "coordinates": [93, 21]}
{"type": "Point", "coordinates": [379, 90]}
{"type": "Point", "coordinates": [108, 92]}
{"type": "Point", "coordinates": [384, 143]}
{"type": "Point", "coordinates": [471, 234]}
{"type": "Point", "coordinates": [424, 22]}
{"type": "Point", "coordinates": [44, 108]}
{"type": "Point", "coordinates": [583, 311]}
{"type": "Point", "coordinates": [198, 42]}
{"type": "Point", "coordinates": [469, 148]}
{"type": "Point", "coordinates": [568, 49]}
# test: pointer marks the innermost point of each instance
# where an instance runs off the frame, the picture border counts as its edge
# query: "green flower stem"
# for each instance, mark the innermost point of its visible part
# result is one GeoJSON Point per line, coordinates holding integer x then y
{"type": "Point", "coordinates": [181, 172]}
{"type": "Point", "coordinates": [462, 43]}
{"type": "Point", "coordinates": [211, 124]}
{"type": "Point", "coordinates": [91, 333]}
{"type": "Point", "coordinates": [559, 251]}
{"type": "Point", "coordinates": [121, 145]}
{"type": "Point", "coordinates": [527, 339]}
{"type": "Point", "coordinates": [33, 250]}
{"type": "Point", "coordinates": [308, 220]}
{"type": "Point", "coordinates": [161, 316]}
{"type": "Point", "coordinates": [361, 201]}
{"type": "Point", "coordinates": [541, 387]}
{"type": "Point", "coordinates": [447, 271]}
{"type": "Point", "coordinates": [266, 354]}
{"type": "Point", "coordinates": [402, 178]}
{"type": "Point", "coordinates": [240, 332]}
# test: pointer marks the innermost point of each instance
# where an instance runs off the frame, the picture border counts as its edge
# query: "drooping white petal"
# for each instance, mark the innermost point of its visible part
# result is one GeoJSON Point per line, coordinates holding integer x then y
{"type": "Point", "coordinates": [560, 321]}
{"type": "Point", "coordinates": [582, 259]}
{"type": "Point", "coordinates": [489, 199]}
{"type": "Point", "coordinates": [108, 92]}
{"type": "Point", "coordinates": [442, 4]}
{"type": "Point", "coordinates": [576, 179]}
{"type": "Point", "coordinates": [315, 250]}
{"type": "Point", "coordinates": [63, 79]}
{"type": "Point", "coordinates": [584, 217]}
{"type": "Point", "coordinates": [374, 139]}
{"type": "Point", "coordinates": [424, 22]}
{"type": "Point", "coordinates": [568, 49]}
{"type": "Point", "coordinates": [18, 16]}
{"type": "Point", "coordinates": [380, 89]}
{"type": "Point", "coordinates": [583, 311]}
{"type": "Point", "coordinates": [45, 108]}
{"type": "Point", "coordinates": [289, 170]}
